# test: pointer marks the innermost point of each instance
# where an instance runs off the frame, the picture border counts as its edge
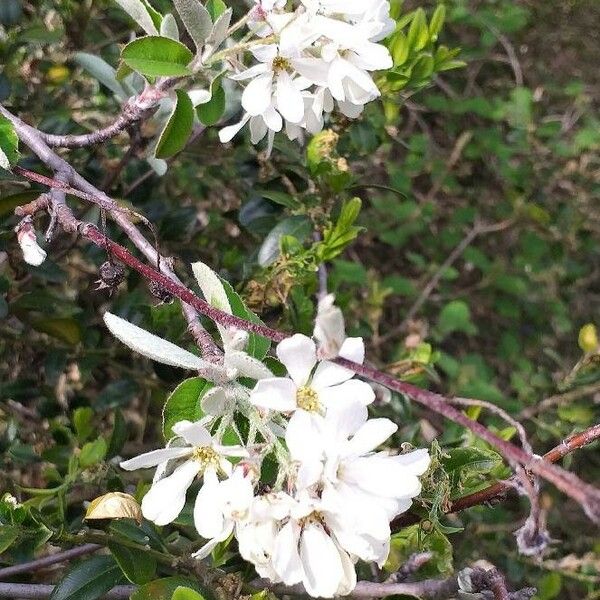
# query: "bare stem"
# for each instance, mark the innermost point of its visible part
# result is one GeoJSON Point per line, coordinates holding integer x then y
{"type": "Point", "coordinates": [47, 561]}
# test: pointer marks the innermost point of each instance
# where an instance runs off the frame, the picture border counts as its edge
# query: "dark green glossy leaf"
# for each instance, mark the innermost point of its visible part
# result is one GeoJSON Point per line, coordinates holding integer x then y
{"type": "Point", "coordinates": [138, 567]}
{"type": "Point", "coordinates": [184, 403]}
{"type": "Point", "coordinates": [156, 56]}
{"type": "Point", "coordinates": [178, 129]}
{"type": "Point", "coordinates": [88, 580]}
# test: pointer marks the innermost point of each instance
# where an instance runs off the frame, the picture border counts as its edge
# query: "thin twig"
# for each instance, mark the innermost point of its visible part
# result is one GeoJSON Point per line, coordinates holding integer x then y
{"type": "Point", "coordinates": [476, 230]}
{"type": "Point", "coordinates": [558, 399]}
{"type": "Point", "coordinates": [47, 561]}
{"type": "Point", "coordinates": [36, 590]}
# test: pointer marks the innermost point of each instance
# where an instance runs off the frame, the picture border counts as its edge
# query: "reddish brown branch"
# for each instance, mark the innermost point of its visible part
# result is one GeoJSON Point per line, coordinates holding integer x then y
{"type": "Point", "coordinates": [583, 493]}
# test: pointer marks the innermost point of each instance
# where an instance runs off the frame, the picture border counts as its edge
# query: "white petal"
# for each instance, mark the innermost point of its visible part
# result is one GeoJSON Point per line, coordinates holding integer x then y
{"type": "Point", "coordinates": [250, 73]}
{"type": "Point", "coordinates": [348, 583]}
{"type": "Point", "coordinates": [272, 119]}
{"type": "Point", "coordinates": [373, 433]}
{"type": "Point", "coordinates": [328, 373]}
{"type": "Point", "coordinates": [194, 434]}
{"type": "Point", "coordinates": [382, 476]}
{"type": "Point", "coordinates": [353, 390]}
{"type": "Point", "coordinates": [415, 462]}
{"type": "Point", "coordinates": [278, 393]}
{"type": "Point", "coordinates": [345, 417]}
{"type": "Point", "coordinates": [299, 355]}
{"type": "Point", "coordinates": [228, 133]}
{"type": "Point", "coordinates": [208, 513]}
{"type": "Point", "coordinates": [323, 569]}
{"type": "Point", "coordinates": [154, 458]}
{"type": "Point", "coordinates": [289, 100]}
{"type": "Point", "coordinates": [151, 345]}
{"type": "Point", "coordinates": [257, 95]}
{"type": "Point", "coordinates": [304, 436]}
{"type": "Point", "coordinates": [258, 129]}
{"type": "Point", "coordinates": [206, 549]}
{"type": "Point", "coordinates": [166, 498]}
{"type": "Point", "coordinates": [286, 559]}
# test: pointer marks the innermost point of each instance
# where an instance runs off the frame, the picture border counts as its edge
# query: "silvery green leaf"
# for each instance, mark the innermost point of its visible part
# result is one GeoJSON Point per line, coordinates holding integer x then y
{"type": "Point", "coordinates": [246, 365]}
{"type": "Point", "coordinates": [213, 292]}
{"type": "Point", "coordinates": [218, 33]}
{"type": "Point", "coordinates": [169, 28]}
{"type": "Point", "coordinates": [196, 19]}
{"type": "Point", "coordinates": [137, 11]}
{"type": "Point", "coordinates": [151, 345]}
{"type": "Point", "coordinates": [211, 287]}
{"type": "Point", "coordinates": [103, 72]}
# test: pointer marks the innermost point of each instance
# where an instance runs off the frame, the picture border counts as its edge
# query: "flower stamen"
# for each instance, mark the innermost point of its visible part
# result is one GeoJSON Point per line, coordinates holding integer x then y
{"type": "Point", "coordinates": [206, 456]}
{"type": "Point", "coordinates": [281, 64]}
{"type": "Point", "coordinates": [307, 399]}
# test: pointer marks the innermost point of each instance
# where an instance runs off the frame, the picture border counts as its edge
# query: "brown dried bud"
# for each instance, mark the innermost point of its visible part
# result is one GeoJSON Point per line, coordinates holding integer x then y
{"type": "Point", "coordinates": [111, 276]}
{"type": "Point", "coordinates": [159, 292]}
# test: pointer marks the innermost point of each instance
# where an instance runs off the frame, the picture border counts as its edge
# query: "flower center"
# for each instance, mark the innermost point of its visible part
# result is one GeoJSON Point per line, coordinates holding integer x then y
{"type": "Point", "coordinates": [314, 517]}
{"type": "Point", "coordinates": [281, 64]}
{"type": "Point", "coordinates": [206, 456]}
{"type": "Point", "coordinates": [307, 399]}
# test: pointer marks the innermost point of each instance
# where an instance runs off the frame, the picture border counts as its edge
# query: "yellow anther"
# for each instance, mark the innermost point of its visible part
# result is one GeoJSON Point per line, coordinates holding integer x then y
{"type": "Point", "coordinates": [206, 456]}
{"type": "Point", "coordinates": [307, 399]}
{"type": "Point", "coordinates": [281, 64]}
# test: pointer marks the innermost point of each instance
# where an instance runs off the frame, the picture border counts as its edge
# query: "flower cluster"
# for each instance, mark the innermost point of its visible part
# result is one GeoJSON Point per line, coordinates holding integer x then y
{"type": "Point", "coordinates": [321, 54]}
{"type": "Point", "coordinates": [330, 495]}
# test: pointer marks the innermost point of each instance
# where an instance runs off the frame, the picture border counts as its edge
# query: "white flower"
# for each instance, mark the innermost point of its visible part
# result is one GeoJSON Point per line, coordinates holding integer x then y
{"type": "Point", "coordinates": [368, 488]}
{"type": "Point", "coordinates": [307, 550]}
{"type": "Point", "coordinates": [310, 391]}
{"type": "Point", "coordinates": [220, 505]}
{"type": "Point", "coordinates": [201, 455]}
{"type": "Point", "coordinates": [329, 331]}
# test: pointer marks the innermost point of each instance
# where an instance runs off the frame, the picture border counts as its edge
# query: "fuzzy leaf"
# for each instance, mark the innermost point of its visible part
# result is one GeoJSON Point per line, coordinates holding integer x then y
{"type": "Point", "coordinates": [169, 28]}
{"type": "Point", "coordinates": [196, 19]}
{"type": "Point", "coordinates": [99, 69]}
{"type": "Point", "coordinates": [137, 11]}
{"type": "Point", "coordinates": [151, 345]}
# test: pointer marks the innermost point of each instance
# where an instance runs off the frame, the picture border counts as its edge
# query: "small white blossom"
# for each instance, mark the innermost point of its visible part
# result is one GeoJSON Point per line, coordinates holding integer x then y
{"type": "Point", "coordinates": [201, 454]}
{"type": "Point", "coordinates": [312, 387]}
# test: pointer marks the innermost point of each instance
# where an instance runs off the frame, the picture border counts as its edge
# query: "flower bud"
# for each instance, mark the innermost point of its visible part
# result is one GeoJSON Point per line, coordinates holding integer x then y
{"type": "Point", "coordinates": [329, 328]}
{"type": "Point", "coordinates": [588, 338]}
{"type": "Point", "coordinates": [33, 254]}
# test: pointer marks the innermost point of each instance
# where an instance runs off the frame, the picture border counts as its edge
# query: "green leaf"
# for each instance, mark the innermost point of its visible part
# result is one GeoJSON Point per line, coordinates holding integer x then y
{"type": "Point", "coordinates": [88, 580]}
{"type": "Point", "coordinates": [9, 203]}
{"type": "Point", "coordinates": [298, 226]}
{"type": "Point", "coordinates": [437, 21]}
{"type": "Point", "coordinates": [399, 49]}
{"type": "Point", "coordinates": [65, 329]}
{"type": "Point", "coordinates": [9, 144]}
{"type": "Point", "coordinates": [211, 112]}
{"type": "Point", "coordinates": [456, 316]}
{"type": "Point", "coordinates": [178, 129]}
{"type": "Point", "coordinates": [138, 12]}
{"type": "Point", "coordinates": [92, 453]}
{"type": "Point", "coordinates": [163, 589]}
{"type": "Point", "coordinates": [280, 198]}
{"type": "Point", "coordinates": [8, 535]}
{"type": "Point", "coordinates": [99, 69]}
{"type": "Point", "coordinates": [184, 404]}
{"type": "Point", "coordinates": [257, 346]}
{"type": "Point", "coordinates": [550, 586]}
{"type": "Point", "coordinates": [157, 56]}
{"type": "Point", "coordinates": [185, 593]}
{"type": "Point", "coordinates": [118, 437]}
{"type": "Point", "coordinates": [196, 20]}
{"type": "Point", "coordinates": [82, 420]}
{"type": "Point", "coordinates": [418, 33]}
{"type": "Point", "coordinates": [138, 567]}
{"type": "Point", "coordinates": [216, 8]}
